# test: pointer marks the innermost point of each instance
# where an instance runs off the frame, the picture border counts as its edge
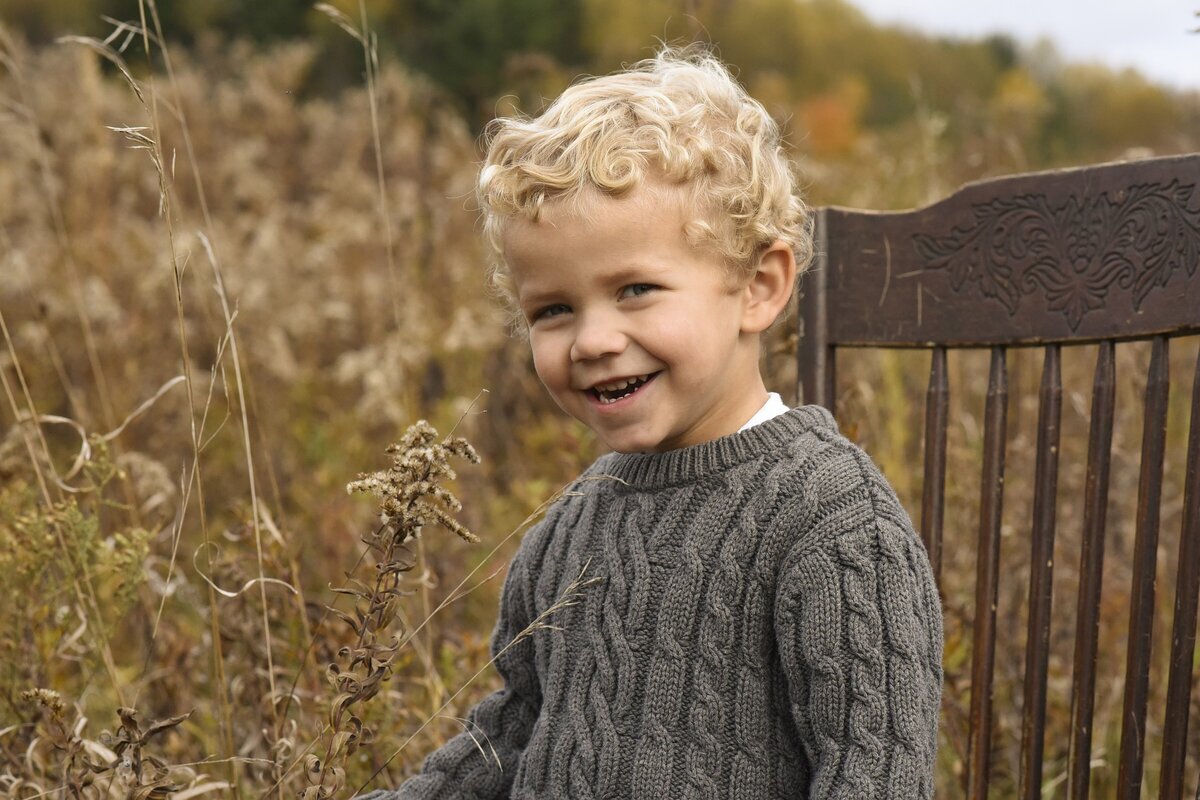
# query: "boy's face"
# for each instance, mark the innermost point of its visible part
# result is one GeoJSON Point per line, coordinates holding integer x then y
{"type": "Point", "coordinates": [634, 332]}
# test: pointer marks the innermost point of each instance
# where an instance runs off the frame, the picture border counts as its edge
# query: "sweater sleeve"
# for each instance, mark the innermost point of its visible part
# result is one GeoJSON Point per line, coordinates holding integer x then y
{"type": "Point", "coordinates": [479, 763]}
{"type": "Point", "coordinates": [859, 627]}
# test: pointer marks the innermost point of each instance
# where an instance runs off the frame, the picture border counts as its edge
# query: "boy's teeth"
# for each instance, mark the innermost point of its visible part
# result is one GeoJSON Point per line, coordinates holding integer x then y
{"type": "Point", "coordinates": [618, 388]}
{"type": "Point", "coordinates": [621, 384]}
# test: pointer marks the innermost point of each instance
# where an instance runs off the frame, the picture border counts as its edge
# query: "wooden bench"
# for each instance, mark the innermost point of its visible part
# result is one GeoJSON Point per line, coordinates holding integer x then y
{"type": "Point", "coordinates": [1097, 256]}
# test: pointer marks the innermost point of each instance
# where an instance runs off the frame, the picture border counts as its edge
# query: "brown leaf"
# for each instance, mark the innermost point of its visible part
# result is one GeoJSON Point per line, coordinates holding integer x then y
{"type": "Point", "coordinates": [129, 719]}
{"type": "Point", "coordinates": [158, 726]}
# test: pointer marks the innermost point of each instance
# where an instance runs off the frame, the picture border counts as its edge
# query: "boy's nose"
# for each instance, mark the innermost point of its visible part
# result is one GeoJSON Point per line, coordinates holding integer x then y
{"type": "Point", "coordinates": [597, 336]}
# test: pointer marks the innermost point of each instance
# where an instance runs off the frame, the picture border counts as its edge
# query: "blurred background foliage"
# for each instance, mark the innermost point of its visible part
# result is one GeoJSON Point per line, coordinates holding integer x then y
{"type": "Point", "coordinates": [820, 64]}
{"type": "Point", "coordinates": [360, 308]}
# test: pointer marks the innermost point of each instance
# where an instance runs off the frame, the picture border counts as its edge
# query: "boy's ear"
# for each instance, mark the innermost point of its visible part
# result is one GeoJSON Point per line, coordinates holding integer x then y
{"type": "Point", "coordinates": [770, 288]}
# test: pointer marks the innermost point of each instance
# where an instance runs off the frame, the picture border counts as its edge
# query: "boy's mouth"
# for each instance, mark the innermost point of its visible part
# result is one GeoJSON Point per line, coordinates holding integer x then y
{"type": "Point", "coordinates": [606, 393]}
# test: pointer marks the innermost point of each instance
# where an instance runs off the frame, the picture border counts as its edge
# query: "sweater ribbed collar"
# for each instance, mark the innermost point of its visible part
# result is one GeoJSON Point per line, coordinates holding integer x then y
{"type": "Point", "coordinates": [689, 464]}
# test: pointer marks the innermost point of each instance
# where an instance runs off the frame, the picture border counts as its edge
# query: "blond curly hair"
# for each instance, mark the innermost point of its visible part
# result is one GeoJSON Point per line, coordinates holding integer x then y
{"type": "Point", "coordinates": [680, 117]}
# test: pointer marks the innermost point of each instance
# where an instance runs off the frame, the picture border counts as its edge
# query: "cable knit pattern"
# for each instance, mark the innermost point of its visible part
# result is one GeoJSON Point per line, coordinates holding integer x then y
{"type": "Point", "coordinates": [766, 626]}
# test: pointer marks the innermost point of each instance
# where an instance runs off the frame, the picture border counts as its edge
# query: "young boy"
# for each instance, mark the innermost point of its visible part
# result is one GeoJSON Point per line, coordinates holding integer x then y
{"type": "Point", "coordinates": [765, 623]}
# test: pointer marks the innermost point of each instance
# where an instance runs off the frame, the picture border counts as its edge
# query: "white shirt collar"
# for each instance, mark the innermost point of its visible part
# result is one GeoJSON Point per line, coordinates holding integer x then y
{"type": "Point", "coordinates": [771, 409]}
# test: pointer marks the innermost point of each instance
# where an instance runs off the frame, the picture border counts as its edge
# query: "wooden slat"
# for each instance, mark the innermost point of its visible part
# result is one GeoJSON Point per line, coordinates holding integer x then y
{"type": "Point", "coordinates": [1091, 568]}
{"type": "Point", "coordinates": [1183, 629]}
{"type": "Point", "coordinates": [986, 578]}
{"type": "Point", "coordinates": [830, 387]}
{"type": "Point", "coordinates": [1141, 606]}
{"type": "Point", "coordinates": [933, 492]}
{"type": "Point", "coordinates": [813, 354]}
{"type": "Point", "coordinates": [1037, 649]}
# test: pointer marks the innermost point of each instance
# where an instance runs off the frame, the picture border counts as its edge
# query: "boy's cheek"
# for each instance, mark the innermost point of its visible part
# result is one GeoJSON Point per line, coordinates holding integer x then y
{"type": "Point", "coordinates": [553, 377]}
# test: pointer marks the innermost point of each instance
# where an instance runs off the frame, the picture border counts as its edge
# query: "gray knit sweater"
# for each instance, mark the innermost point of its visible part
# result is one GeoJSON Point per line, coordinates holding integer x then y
{"type": "Point", "coordinates": [766, 625]}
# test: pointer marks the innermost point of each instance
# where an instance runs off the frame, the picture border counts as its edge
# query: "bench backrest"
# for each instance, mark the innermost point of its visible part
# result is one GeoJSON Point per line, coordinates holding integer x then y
{"type": "Point", "coordinates": [1100, 255]}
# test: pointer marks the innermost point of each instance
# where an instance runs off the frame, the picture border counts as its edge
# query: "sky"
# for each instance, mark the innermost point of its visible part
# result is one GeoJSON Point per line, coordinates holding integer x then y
{"type": "Point", "coordinates": [1150, 35]}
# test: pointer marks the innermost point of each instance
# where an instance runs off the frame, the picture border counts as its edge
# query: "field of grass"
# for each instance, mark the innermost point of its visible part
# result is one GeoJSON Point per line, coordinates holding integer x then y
{"type": "Point", "coordinates": [222, 298]}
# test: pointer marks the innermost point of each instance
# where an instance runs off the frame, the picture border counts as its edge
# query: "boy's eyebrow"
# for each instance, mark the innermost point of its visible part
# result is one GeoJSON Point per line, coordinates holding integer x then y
{"type": "Point", "coordinates": [535, 299]}
{"type": "Point", "coordinates": [634, 271]}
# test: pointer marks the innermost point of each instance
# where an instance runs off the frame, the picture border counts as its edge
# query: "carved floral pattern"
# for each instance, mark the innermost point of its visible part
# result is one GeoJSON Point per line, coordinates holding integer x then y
{"type": "Point", "coordinates": [1073, 253]}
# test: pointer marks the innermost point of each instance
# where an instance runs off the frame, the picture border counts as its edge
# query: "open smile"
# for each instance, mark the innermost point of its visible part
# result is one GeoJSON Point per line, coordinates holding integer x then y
{"type": "Point", "coordinates": [606, 394]}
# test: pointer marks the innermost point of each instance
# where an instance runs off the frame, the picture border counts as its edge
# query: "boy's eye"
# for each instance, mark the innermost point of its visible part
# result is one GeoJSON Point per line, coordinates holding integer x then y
{"type": "Point", "coordinates": [637, 289]}
{"type": "Point", "coordinates": [550, 311]}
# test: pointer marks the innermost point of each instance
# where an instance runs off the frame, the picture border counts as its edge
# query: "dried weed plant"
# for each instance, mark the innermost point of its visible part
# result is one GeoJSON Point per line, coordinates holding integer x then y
{"type": "Point", "coordinates": [77, 771]}
{"type": "Point", "coordinates": [115, 765]}
{"type": "Point", "coordinates": [411, 497]}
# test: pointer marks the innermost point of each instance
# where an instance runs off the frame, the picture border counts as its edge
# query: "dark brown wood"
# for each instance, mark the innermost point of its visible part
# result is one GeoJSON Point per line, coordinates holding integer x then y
{"type": "Point", "coordinates": [1091, 569]}
{"type": "Point", "coordinates": [933, 491]}
{"type": "Point", "coordinates": [814, 366]}
{"type": "Point", "coordinates": [987, 574]}
{"type": "Point", "coordinates": [1141, 606]}
{"type": "Point", "coordinates": [1037, 650]}
{"type": "Point", "coordinates": [1103, 254]}
{"type": "Point", "coordinates": [830, 390]}
{"type": "Point", "coordinates": [1183, 628]}
{"type": "Point", "coordinates": [1074, 255]}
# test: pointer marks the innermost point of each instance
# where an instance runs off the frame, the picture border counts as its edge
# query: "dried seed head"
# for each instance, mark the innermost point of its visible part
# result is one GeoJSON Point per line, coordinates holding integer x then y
{"type": "Point", "coordinates": [48, 699]}
{"type": "Point", "coordinates": [410, 491]}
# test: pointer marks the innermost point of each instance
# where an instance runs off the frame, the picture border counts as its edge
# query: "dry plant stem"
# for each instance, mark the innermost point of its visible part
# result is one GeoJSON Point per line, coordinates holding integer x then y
{"type": "Point", "coordinates": [180, 113]}
{"type": "Point", "coordinates": [237, 371]}
{"type": "Point", "coordinates": [435, 689]}
{"type": "Point", "coordinates": [570, 597]}
{"type": "Point", "coordinates": [293, 564]}
{"type": "Point", "coordinates": [185, 493]}
{"type": "Point", "coordinates": [312, 641]}
{"type": "Point", "coordinates": [434, 685]}
{"type": "Point", "coordinates": [371, 59]}
{"type": "Point", "coordinates": [454, 595]}
{"type": "Point", "coordinates": [269, 464]}
{"type": "Point", "coordinates": [226, 715]}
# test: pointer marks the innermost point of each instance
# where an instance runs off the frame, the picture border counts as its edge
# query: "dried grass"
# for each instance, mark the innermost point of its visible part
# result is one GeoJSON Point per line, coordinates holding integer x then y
{"type": "Point", "coordinates": [293, 364]}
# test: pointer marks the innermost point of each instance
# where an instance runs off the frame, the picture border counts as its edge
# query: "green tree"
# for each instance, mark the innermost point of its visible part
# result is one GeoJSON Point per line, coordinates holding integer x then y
{"type": "Point", "coordinates": [472, 46]}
